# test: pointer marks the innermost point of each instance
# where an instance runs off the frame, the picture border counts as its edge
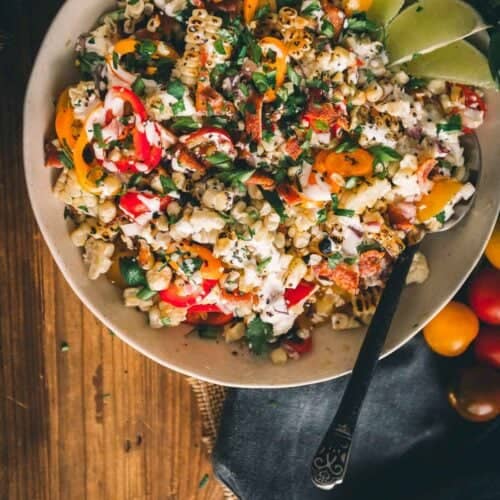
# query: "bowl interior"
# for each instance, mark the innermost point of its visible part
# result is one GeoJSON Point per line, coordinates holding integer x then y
{"type": "Point", "coordinates": [451, 255]}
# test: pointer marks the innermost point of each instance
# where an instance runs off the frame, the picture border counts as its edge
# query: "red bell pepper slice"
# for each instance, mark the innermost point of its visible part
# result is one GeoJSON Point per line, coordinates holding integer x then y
{"type": "Point", "coordinates": [188, 295]}
{"type": "Point", "coordinates": [295, 295]}
{"type": "Point", "coordinates": [302, 346]}
{"type": "Point", "coordinates": [207, 314]}
{"type": "Point", "coordinates": [133, 204]}
{"type": "Point", "coordinates": [131, 98]}
{"type": "Point", "coordinates": [217, 136]}
{"type": "Point", "coordinates": [289, 194]}
{"type": "Point", "coordinates": [472, 99]}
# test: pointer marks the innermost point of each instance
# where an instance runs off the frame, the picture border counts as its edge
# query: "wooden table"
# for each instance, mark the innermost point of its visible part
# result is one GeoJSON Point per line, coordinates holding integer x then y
{"type": "Point", "coordinates": [95, 420]}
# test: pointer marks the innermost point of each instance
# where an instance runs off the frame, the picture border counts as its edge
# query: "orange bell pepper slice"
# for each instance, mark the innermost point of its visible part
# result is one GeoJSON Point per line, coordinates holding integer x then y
{"type": "Point", "coordinates": [358, 163]}
{"type": "Point", "coordinates": [87, 175]}
{"type": "Point", "coordinates": [211, 268]}
{"type": "Point", "coordinates": [279, 64]}
{"type": "Point", "coordinates": [65, 123]}
{"type": "Point", "coordinates": [441, 194]}
{"type": "Point", "coordinates": [250, 8]}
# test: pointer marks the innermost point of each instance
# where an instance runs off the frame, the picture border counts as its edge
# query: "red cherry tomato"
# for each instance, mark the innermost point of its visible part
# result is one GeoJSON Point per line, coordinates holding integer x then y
{"type": "Point", "coordinates": [295, 295]}
{"type": "Point", "coordinates": [187, 295]}
{"type": "Point", "coordinates": [484, 295]}
{"type": "Point", "coordinates": [487, 346]}
{"type": "Point", "coordinates": [207, 314]}
{"type": "Point", "coordinates": [298, 346]}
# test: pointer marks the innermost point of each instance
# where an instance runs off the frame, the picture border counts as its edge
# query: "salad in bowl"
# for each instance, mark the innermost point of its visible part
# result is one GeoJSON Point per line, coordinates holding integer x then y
{"type": "Point", "coordinates": [254, 170]}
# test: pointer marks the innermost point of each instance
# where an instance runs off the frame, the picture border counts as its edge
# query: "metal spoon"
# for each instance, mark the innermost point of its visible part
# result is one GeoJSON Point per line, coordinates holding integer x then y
{"type": "Point", "coordinates": [330, 462]}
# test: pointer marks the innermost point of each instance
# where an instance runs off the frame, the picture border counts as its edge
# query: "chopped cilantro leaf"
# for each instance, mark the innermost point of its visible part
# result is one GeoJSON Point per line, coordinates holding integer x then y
{"type": "Point", "coordinates": [176, 88]}
{"type": "Point", "coordinates": [257, 334]}
{"type": "Point", "coordinates": [131, 272]}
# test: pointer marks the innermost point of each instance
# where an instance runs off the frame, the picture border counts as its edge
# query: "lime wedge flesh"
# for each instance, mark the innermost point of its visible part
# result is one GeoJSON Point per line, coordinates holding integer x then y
{"type": "Point", "coordinates": [459, 62]}
{"type": "Point", "coordinates": [428, 25]}
{"type": "Point", "coordinates": [383, 11]}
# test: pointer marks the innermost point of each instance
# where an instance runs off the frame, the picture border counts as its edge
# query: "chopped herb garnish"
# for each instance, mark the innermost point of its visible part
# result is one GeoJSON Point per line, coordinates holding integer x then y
{"type": "Point", "coordinates": [321, 216]}
{"type": "Point", "coordinates": [382, 155]}
{"type": "Point", "coordinates": [219, 47]}
{"type": "Point", "coordinates": [327, 29]}
{"type": "Point", "coordinates": [131, 272]}
{"type": "Point", "coordinates": [146, 48]}
{"type": "Point", "coordinates": [263, 264]}
{"type": "Point", "coordinates": [454, 124]}
{"type": "Point", "coordinates": [135, 180]}
{"type": "Point", "coordinates": [344, 212]}
{"type": "Point", "coordinates": [262, 12]}
{"type": "Point", "coordinates": [185, 124]}
{"type": "Point", "coordinates": [275, 201]}
{"type": "Point", "coordinates": [220, 160]}
{"type": "Point", "coordinates": [178, 107]}
{"type": "Point", "coordinates": [190, 265]}
{"type": "Point", "coordinates": [360, 24]}
{"type": "Point", "coordinates": [203, 482]}
{"type": "Point", "coordinates": [364, 247]}
{"type": "Point", "coordinates": [293, 76]}
{"type": "Point", "coordinates": [165, 321]}
{"type": "Point", "coordinates": [257, 334]}
{"type": "Point", "coordinates": [311, 9]}
{"type": "Point", "coordinates": [244, 89]}
{"type": "Point", "coordinates": [415, 83]}
{"type": "Point", "coordinates": [167, 184]}
{"type": "Point", "coordinates": [139, 86]}
{"type": "Point", "coordinates": [236, 176]}
{"type": "Point", "coordinates": [145, 293]}
{"type": "Point", "coordinates": [441, 217]}
{"type": "Point", "coordinates": [334, 260]}
{"type": "Point", "coordinates": [321, 125]}
{"type": "Point", "coordinates": [65, 158]}
{"type": "Point", "coordinates": [350, 260]}
{"type": "Point", "coordinates": [176, 88]}
{"type": "Point", "coordinates": [98, 135]}
{"type": "Point", "coordinates": [208, 332]}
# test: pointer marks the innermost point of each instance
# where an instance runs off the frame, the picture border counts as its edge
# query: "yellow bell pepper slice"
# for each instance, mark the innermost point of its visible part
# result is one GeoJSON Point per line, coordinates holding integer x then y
{"type": "Point", "coordinates": [65, 123]}
{"type": "Point", "coordinates": [434, 203]}
{"type": "Point", "coordinates": [279, 64]}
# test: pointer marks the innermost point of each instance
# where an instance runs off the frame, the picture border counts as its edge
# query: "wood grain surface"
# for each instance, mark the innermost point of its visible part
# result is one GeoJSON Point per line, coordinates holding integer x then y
{"type": "Point", "coordinates": [82, 415]}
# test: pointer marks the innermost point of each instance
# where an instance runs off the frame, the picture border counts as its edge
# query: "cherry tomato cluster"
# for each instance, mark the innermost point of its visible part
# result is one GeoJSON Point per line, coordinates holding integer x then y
{"type": "Point", "coordinates": [475, 393]}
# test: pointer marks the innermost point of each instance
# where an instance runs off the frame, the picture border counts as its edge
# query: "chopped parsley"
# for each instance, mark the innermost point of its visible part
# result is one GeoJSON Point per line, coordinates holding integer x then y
{"type": "Point", "coordinates": [139, 86]}
{"type": "Point", "coordinates": [454, 124]}
{"type": "Point", "coordinates": [275, 201]}
{"type": "Point", "coordinates": [176, 88]}
{"type": "Point", "coordinates": [185, 124]}
{"type": "Point", "coordinates": [321, 216]}
{"type": "Point", "coordinates": [190, 265]}
{"type": "Point", "coordinates": [220, 160]}
{"type": "Point", "coordinates": [167, 184]}
{"type": "Point", "coordinates": [131, 272]}
{"type": "Point", "coordinates": [257, 335]}
{"type": "Point", "coordinates": [441, 217]}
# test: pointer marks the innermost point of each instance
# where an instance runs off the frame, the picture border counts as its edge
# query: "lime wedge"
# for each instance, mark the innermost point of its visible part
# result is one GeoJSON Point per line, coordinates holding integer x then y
{"type": "Point", "coordinates": [383, 11]}
{"type": "Point", "coordinates": [428, 25]}
{"type": "Point", "coordinates": [459, 62]}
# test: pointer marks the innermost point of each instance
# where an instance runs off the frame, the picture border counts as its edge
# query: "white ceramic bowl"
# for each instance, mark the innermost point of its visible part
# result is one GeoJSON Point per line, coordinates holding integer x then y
{"type": "Point", "coordinates": [451, 255]}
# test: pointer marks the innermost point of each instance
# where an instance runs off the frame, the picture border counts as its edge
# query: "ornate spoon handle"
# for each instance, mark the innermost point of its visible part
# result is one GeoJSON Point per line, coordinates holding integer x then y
{"type": "Point", "coordinates": [330, 462]}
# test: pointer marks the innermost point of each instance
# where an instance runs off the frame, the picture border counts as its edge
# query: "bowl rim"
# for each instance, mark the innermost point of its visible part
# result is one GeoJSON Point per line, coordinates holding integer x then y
{"type": "Point", "coordinates": [108, 323]}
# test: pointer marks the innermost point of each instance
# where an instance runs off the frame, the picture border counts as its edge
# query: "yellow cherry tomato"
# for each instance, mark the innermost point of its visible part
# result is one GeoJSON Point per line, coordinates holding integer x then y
{"type": "Point", "coordinates": [492, 251]}
{"type": "Point", "coordinates": [279, 64]}
{"type": "Point", "coordinates": [352, 6]}
{"type": "Point", "coordinates": [452, 330]}
{"type": "Point", "coordinates": [441, 194]}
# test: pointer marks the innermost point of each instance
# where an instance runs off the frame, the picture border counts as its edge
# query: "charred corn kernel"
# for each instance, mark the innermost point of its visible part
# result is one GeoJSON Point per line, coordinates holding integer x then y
{"type": "Point", "coordinates": [359, 98]}
{"type": "Point", "coordinates": [301, 240]}
{"type": "Point", "coordinates": [279, 240]}
{"type": "Point", "coordinates": [325, 304]}
{"type": "Point", "coordinates": [132, 300]}
{"type": "Point", "coordinates": [159, 276]}
{"type": "Point", "coordinates": [296, 271]}
{"type": "Point", "coordinates": [110, 186]}
{"type": "Point", "coordinates": [437, 87]}
{"type": "Point", "coordinates": [279, 356]}
{"type": "Point", "coordinates": [374, 92]}
{"type": "Point", "coordinates": [106, 211]}
{"type": "Point", "coordinates": [80, 235]}
{"type": "Point", "coordinates": [401, 78]}
{"type": "Point", "coordinates": [235, 332]}
{"type": "Point", "coordinates": [179, 180]}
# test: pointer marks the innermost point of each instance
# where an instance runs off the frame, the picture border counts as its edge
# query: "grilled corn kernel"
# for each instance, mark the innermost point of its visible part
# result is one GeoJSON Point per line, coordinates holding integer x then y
{"type": "Point", "coordinates": [279, 356]}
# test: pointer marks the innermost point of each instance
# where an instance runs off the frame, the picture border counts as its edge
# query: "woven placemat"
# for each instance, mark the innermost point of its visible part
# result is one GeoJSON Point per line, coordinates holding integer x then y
{"type": "Point", "coordinates": [210, 399]}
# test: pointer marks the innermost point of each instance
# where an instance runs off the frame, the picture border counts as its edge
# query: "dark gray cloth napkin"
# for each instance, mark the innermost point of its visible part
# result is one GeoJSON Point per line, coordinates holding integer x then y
{"type": "Point", "coordinates": [409, 443]}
